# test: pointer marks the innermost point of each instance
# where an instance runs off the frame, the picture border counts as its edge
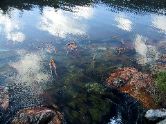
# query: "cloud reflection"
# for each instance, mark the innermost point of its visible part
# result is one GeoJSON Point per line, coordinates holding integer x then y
{"type": "Point", "coordinates": [62, 23]}
{"type": "Point", "coordinates": [159, 22]}
{"type": "Point", "coordinates": [146, 53]}
{"type": "Point", "coordinates": [29, 69]}
{"type": "Point", "coordinates": [123, 23]}
{"type": "Point", "coordinates": [10, 27]}
{"type": "Point", "coordinates": [140, 45]}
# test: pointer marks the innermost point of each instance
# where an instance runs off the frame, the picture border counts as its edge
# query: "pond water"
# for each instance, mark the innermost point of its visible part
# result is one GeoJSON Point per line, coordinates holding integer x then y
{"type": "Point", "coordinates": [61, 53]}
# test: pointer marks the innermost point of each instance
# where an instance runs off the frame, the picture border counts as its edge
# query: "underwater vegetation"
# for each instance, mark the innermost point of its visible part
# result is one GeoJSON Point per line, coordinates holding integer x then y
{"type": "Point", "coordinates": [83, 96]}
{"type": "Point", "coordinates": [161, 81]}
{"type": "Point", "coordinates": [95, 87]}
{"type": "Point", "coordinates": [160, 86]}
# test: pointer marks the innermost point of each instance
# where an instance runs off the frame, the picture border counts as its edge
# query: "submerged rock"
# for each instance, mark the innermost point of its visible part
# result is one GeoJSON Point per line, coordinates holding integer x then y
{"type": "Point", "coordinates": [155, 114]}
{"type": "Point", "coordinates": [139, 85]}
{"type": "Point", "coordinates": [37, 115]}
{"type": "Point", "coordinates": [130, 76]}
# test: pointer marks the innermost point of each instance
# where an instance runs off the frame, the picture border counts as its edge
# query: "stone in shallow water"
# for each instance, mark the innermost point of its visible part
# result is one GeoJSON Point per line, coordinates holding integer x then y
{"type": "Point", "coordinates": [37, 115]}
{"type": "Point", "coordinates": [155, 114]}
{"type": "Point", "coordinates": [162, 122]}
{"type": "Point", "coordinates": [139, 85]}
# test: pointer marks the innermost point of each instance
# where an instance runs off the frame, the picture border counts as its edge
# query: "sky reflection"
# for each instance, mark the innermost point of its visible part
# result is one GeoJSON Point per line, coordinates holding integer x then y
{"type": "Point", "coordinates": [146, 53]}
{"type": "Point", "coordinates": [83, 23]}
{"type": "Point", "coordinates": [159, 22]}
{"type": "Point", "coordinates": [61, 23]}
{"type": "Point", "coordinates": [123, 23]}
{"type": "Point", "coordinates": [10, 26]}
{"type": "Point", "coordinates": [29, 68]}
{"type": "Point", "coordinates": [29, 76]}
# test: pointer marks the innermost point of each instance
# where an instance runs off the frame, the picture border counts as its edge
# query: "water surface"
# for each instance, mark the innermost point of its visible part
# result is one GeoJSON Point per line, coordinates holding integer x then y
{"type": "Point", "coordinates": [34, 32]}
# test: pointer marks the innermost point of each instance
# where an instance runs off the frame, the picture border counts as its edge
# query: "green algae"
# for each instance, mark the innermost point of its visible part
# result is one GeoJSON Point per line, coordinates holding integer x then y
{"type": "Point", "coordinates": [161, 81]}
{"type": "Point", "coordinates": [95, 87]}
{"type": "Point", "coordinates": [89, 106]}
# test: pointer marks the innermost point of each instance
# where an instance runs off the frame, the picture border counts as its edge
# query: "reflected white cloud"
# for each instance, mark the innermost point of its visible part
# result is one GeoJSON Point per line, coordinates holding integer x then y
{"type": "Point", "coordinates": [29, 77]}
{"type": "Point", "coordinates": [146, 53]}
{"type": "Point", "coordinates": [10, 27]}
{"type": "Point", "coordinates": [16, 36]}
{"type": "Point", "coordinates": [29, 69]}
{"type": "Point", "coordinates": [140, 45]}
{"type": "Point", "coordinates": [61, 23]}
{"type": "Point", "coordinates": [123, 23]}
{"type": "Point", "coordinates": [159, 22]}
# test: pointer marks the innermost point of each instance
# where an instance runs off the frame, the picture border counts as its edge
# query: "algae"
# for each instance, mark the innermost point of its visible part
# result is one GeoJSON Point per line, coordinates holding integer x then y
{"type": "Point", "coordinates": [161, 81]}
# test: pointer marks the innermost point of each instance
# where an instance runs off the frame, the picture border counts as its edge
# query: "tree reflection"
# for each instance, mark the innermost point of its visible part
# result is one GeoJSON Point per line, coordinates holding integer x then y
{"type": "Point", "coordinates": [128, 5]}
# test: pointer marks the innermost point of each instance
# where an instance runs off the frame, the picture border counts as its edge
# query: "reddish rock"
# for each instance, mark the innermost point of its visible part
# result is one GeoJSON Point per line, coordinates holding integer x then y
{"type": "Point", "coordinates": [139, 85]}
{"type": "Point", "coordinates": [37, 115]}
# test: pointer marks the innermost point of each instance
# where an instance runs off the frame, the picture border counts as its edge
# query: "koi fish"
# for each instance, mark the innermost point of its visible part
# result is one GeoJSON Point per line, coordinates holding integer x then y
{"type": "Point", "coordinates": [72, 49]}
{"type": "Point", "coordinates": [53, 67]}
{"type": "Point", "coordinates": [72, 46]}
{"type": "Point", "coordinates": [51, 49]}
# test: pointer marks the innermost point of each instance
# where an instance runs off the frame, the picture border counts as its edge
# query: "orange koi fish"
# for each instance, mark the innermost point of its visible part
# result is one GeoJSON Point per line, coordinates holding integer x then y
{"type": "Point", "coordinates": [53, 67]}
